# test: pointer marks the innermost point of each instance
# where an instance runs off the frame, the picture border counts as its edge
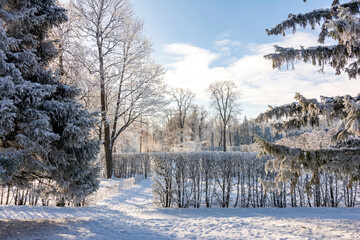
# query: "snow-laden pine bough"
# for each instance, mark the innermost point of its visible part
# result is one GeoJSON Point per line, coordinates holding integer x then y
{"type": "Point", "coordinates": [339, 23]}
{"type": "Point", "coordinates": [342, 159]}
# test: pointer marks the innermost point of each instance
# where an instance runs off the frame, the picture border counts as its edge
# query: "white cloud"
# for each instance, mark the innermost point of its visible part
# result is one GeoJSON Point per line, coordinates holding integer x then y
{"type": "Point", "coordinates": [225, 34]}
{"type": "Point", "coordinates": [184, 56]}
{"type": "Point", "coordinates": [226, 46]}
{"type": "Point", "coordinates": [227, 42]}
{"type": "Point", "coordinates": [189, 67]}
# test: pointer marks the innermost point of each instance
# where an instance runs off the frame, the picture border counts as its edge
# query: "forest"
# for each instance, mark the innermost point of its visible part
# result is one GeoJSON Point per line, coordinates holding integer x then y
{"type": "Point", "coordinates": [82, 98]}
{"type": "Point", "coordinates": [98, 141]}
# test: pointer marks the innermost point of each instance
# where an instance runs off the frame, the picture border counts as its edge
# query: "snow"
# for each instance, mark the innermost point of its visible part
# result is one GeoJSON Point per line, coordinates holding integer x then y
{"type": "Point", "coordinates": [130, 214]}
{"type": "Point", "coordinates": [110, 187]}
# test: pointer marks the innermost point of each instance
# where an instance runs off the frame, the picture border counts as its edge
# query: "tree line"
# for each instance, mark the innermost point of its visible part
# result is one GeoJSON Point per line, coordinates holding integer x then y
{"type": "Point", "coordinates": [232, 179]}
{"type": "Point", "coordinates": [49, 141]}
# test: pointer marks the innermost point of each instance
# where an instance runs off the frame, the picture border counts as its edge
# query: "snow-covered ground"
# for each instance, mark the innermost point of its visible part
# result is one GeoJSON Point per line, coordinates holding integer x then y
{"type": "Point", "coordinates": [131, 215]}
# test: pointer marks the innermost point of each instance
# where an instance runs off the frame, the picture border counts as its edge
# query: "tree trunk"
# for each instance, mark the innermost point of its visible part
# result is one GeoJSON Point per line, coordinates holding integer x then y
{"type": "Point", "coordinates": [207, 200]}
{"type": "Point", "coordinates": [104, 120]}
{"type": "Point", "coordinates": [2, 194]}
{"type": "Point", "coordinates": [237, 188]}
{"type": "Point", "coordinates": [8, 194]}
{"type": "Point", "coordinates": [224, 137]}
{"type": "Point", "coordinates": [107, 146]}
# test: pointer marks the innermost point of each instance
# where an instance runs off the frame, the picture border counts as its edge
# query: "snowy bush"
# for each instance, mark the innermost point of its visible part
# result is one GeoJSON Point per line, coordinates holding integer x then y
{"type": "Point", "coordinates": [197, 178]}
{"type": "Point", "coordinates": [127, 165]}
{"type": "Point", "coordinates": [238, 179]}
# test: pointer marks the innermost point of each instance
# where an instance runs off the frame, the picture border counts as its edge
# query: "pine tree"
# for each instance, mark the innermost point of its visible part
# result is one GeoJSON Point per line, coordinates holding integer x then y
{"type": "Point", "coordinates": [245, 132]}
{"type": "Point", "coordinates": [267, 134]}
{"type": "Point", "coordinates": [341, 23]}
{"type": "Point", "coordinates": [44, 131]}
{"type": "Point", "coordinates": [237, 138]}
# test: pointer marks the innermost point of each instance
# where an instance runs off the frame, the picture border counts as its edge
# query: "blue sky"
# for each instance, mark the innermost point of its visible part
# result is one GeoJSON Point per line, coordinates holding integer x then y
{"type": "Point", "coordinates": [202, 41]}
{"type": "Point", "coordinates": [202, 22]}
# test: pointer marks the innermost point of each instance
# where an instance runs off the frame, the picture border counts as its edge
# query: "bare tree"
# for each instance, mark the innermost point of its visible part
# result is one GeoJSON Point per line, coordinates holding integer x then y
{"type": "Point", "coordinates": [71, 60]}
{"type": "Point", "coordinates": [129, 80]}
{"type": "Point", "coordinates": [225, 99]}
{"type": "Point", "coordinates": [183, 99]}
{"type": "Point", "coordinates": [203, 114]}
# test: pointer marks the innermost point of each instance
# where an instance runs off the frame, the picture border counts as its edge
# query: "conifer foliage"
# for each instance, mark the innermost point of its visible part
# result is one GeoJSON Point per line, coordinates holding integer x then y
{"type": "Point", "coordinates": [44, 131]}
{"type": "Point", "coordinates": [342, 158]}
{"type": "Point", "coordinates": [341, 23]}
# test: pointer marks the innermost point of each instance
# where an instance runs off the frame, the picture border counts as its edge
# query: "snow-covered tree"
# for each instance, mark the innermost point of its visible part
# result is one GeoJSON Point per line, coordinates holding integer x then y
{"type": "Point", "coordinates": [183, 99]}
{"type": "Point", "coordinates": [44, 131]}
{"type": "Point", "coordinates": [225, 99]}
{"type": "Point", "coordinates": [175, 137]}
{"type": "Point", "coordinates": [245, 132]}
{"type": "Point", "coordinates": [340, 22]}
{"type": "Point", "coordinates": [129, 80]}
{"type": "Point", "coordinates": [342, 158]}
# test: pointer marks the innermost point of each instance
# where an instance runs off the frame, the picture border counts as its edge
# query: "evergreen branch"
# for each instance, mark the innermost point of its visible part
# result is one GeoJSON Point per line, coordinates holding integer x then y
{"type": "Point", "coordinates": [337, 57]}
{"type": "Point", "coordinates": [312, 18]}
{"type": "Point", "coordinates": [289, 160]}
{"type": "Point", "coordinates": [307, 112]}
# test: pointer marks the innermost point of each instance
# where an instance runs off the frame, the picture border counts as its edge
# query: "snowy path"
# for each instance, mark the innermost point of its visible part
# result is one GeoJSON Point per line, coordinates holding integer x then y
{"type": "Point", "coordinates": [131, 215]}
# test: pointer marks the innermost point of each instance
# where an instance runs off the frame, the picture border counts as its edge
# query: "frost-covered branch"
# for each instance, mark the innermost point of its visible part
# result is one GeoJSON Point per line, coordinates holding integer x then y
{"type": "Point", "coordinates": [343, 158]}
{"type": "Point", "coordinates": [339, 23]}
{"type": "Point", "coordinates": [312, 18]}
{"type": "Point", "coordinates": [307, 112]}
{"type": "Point", "coordinates": [291, 162]}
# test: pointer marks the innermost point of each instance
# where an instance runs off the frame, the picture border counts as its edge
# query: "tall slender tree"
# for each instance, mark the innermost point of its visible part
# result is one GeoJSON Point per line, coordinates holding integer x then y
{"type": "Point", "coordinates": [225, 99]}
{"type": "Point", "coordinates": [129, 80]}
{"type": "Point", "coordinates": [100, 21]}
{"type": "Point", "coordinates": [183, 99]}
